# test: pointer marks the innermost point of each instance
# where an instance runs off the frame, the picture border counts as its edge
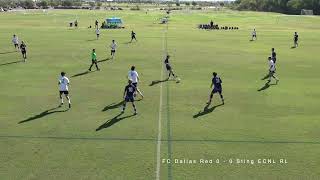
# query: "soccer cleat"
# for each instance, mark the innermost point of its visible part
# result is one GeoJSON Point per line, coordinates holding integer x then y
{"type": "Point", "coordinates": [89, 69]}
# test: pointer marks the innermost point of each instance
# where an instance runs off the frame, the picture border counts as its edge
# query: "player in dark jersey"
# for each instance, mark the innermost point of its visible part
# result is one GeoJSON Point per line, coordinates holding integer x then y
{"type": "Point", "coordinates": [23, 49]}
{"type": "Point", "coordinates": [217, 87]}
{"type": "Point", "coordinates": [96, 24]}
{"type": "Point", "coordinates": [169, 68]}
{"type": "Point", "coordinates": [133, 36]}
{"type": "Point", "coordinates": [273, 55]}
{"type": "Point", "coordinates": [295, 39]}
{"type": "Point", "coordinates": [128, 95]}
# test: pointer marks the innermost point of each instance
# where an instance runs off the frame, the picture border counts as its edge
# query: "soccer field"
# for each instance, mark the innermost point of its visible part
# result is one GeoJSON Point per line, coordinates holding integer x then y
{"type": "Point", "coordinates": [39, 140]}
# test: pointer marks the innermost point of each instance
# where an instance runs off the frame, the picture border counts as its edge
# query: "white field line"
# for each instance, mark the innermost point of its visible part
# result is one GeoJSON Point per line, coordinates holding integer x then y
{"type": "Point", "coordinates": [160, 113]}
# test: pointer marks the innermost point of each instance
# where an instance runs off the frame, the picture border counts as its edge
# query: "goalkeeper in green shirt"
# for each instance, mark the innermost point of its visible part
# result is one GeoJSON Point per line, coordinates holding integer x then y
{"type": "Point", "coordinates": [94, 60]}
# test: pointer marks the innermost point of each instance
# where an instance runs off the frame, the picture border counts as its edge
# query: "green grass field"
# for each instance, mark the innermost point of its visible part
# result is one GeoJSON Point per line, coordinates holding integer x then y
{"type": "Point", "coordinates": [279, 122]}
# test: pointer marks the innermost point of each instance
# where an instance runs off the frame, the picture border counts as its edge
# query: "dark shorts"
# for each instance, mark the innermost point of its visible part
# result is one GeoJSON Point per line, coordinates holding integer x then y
{"type": "Point", "coordinates": [168, 67]}
{"type": "Point", "coordinates": [64, 92]}
{"type": "Point", "coordinates": [272, 72]}
{"type": "Point", "coordinates": [98, 34]}
{"type": "Point", "coordinates": [113, 51]}
{"type": "Point", "coordinates": [133, 37]}
{"type": "Point", "coordinates": [15, 45]}
{"type": "Point", "coordinates": [254, 35]}
{"type": "Point", "coordinates": [94, 61]}
{"type": "Point", "coordinates": [217, 90]}
{"type": "Point", "coordinates": [129, 99]}
{"type": "Point", "coordinates": [23, 52]}
{"type": "Point", "coordinates": [135, 84]}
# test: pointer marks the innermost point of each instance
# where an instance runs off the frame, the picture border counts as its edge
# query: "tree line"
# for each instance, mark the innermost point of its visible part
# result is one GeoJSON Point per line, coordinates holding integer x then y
{"type": "Point", "coordinates": [281, 6]}
{"type": "Point", "coordinates": [30, 4]}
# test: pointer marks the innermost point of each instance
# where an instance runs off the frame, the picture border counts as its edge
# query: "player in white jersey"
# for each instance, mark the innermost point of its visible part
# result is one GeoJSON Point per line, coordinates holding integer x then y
{"type": "Point", "coordinates": [272, 70]}
{"type": "Point", "coordinates": [113, 47]}
{"type": "Point", "coordinates": [134, 77]}
{"type": "Point", "coordinates": [254, 35]}
{"type": "Point", "coordinates": [64, 88]}
{"type": "Point", "coordinates": [15, 41]}
{"type": "Point", "coordinates": [98, 33]}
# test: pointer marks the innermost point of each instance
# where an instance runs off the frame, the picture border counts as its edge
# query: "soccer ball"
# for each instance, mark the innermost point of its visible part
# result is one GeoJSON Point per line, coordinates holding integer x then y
{"type": "Point", "coordinates": [178, 80]}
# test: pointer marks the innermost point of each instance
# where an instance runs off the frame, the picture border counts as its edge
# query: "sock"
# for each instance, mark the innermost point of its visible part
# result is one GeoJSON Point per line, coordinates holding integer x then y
{"type": "Point", "coordinates": [221, 97]}
{"type": "Point", "coordinates": [124, 107]}
{"type": "Point", "coordinates": [61, 100]}
{"type": "Point", "coordinates": [134, 107]}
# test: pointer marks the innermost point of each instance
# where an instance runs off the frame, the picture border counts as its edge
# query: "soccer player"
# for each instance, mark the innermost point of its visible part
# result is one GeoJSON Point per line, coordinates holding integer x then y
{"type": "Point", "coordinates": [169, 68]}
{"type": "Point", "coordinates": [113, 47]}
{"type": "Point", "coordinates": [272, 70]}
{"type": "Point", "coordinates": [98, 33]}
{"type": "Point", "coordinates": [217, 87]}
{"type": "Point", "coordinates": [273, 55]}
{"type": "Point", "coordinates": [23, 49]}
{"type": "Point", "coordinates": [129, 96]}
{"type": "Point", "coordinates": [134, 76]}
{"type": "Point", "coordinates": [94, 60]}
{"type": "Point", "coordinates": [96, 24]}
{"type": "Point", "coordinates": [254, 35]}
{"type": "Point", "coordinates": [64, 88]}
{"type": "Point", "coordinates": [15, 41]}
{"type": "Point", "coordinates": [295, 39]}
{"type": "Point", "coordinates": [133, 36]}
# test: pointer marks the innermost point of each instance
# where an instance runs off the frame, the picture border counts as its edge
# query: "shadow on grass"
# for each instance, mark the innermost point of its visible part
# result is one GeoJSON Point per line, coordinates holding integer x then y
{"type": "Point", "coordinates": [127, 42]}
{"type": "Point", "coordinates": [8, 52]}
{"type": "Point", "coordinates": [113, 106]}
{"type": "Point", "coordinates": [266, 76]}
{"type": "Point", "coordinates": [103, 60]}
{"type": "Point", "coordinates": [206, 110]}
{"type": "Point", "coordinates": [92, 39]}
{"type": "Point", "coordinates": [43, 114]}
{"type": "Point", "coordinates": [266, 86]}
{"type": "Point", "coordinates": [5, 64]}
{"type": "Point", "coordinates": [113, 121]}
{"type": "Point", "coordinates": [157, 82]}
{"type": "Point", "coordinates": [81, 74]}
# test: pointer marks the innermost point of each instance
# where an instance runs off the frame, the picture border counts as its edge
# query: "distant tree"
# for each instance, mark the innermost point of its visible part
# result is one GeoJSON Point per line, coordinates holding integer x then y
{"type": "Point", "coordinates": [187, 4]}
{"type": "Point", "coordinates": [194, 3]}
{"type": "Point", "coordinates": [43, 3]}
{"type": "Point", "coordinates": [92, 4]}
{"type": "Point", "coordinates": [295, 6]}
{"type": "Point", "coordinates": [28, 4]}
{"type": "Point", "coordinates": [99, 4]}
{"type": "Point", "coordinates": [282, 6]}
{"type": "Point", "coordinates": [177, 4]}
{"type": "Point", "coordinates": [54, 3]}
{"type": "Point", "coordinates": [67, 3]}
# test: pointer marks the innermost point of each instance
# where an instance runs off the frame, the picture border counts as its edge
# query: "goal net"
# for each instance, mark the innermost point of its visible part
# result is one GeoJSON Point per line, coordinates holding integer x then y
{"type": "Point", "coordinates": [306, 12]}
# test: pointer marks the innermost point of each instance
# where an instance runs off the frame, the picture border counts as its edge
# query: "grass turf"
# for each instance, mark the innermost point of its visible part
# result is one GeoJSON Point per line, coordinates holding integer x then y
{"type": "Point", "coordinates": [90, 141]}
